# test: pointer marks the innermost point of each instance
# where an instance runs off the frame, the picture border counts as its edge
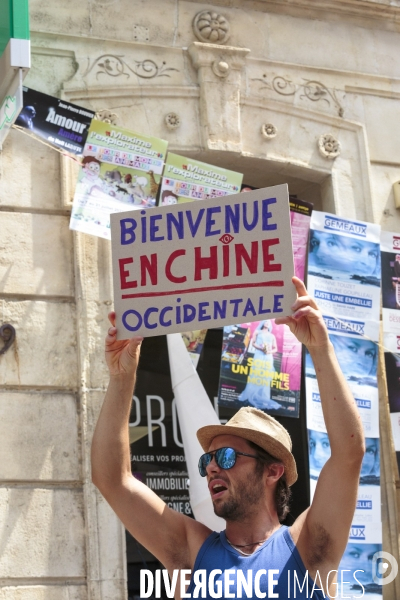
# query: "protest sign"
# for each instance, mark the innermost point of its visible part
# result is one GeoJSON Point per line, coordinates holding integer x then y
{"type": "Point", "coordinates": [207, 263]}
{"type": "Point", "coordinates": [121, 170]}
{"type": "Point", "coordinates": [186, 179]}
{"type": "Point", "coordinates": [261, 361]}
{"type": "Point", "coordinates": [60, 123]}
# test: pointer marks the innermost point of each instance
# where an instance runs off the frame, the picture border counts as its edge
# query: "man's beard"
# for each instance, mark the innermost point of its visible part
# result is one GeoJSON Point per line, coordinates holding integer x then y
{"type": "Point", "coordinates": [247, 496]}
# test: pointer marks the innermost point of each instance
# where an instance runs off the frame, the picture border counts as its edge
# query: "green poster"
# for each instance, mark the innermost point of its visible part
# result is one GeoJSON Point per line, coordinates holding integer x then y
{"type": "Point", "coordinates": [186, 180]}
{"type": "Point", "coordinates": [121, 170]}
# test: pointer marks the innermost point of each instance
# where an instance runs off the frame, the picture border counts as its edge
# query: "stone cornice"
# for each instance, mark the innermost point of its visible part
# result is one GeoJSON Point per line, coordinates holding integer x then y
{"type": "Point", "coordinates": [378, 14]}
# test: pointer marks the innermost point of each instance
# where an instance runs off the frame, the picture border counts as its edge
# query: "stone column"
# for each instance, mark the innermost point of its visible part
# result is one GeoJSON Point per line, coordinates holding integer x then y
{"type": "Point", "coordinates": [220, 79]}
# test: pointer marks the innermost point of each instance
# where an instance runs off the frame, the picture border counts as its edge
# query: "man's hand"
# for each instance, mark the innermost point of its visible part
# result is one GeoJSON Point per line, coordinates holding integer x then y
{"type": "Point", "coordinates": [122, 356]}
{"type": "Point", "coordinates": [306, 322]}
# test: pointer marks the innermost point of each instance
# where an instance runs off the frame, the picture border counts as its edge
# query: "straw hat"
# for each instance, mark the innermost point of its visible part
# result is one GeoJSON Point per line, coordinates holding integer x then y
{"type": "Point", "coordinates": [261, 429]}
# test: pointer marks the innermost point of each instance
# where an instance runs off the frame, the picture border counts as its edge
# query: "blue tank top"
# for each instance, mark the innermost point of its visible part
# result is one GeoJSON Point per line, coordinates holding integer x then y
{"type": "Point", "coordinates": [252, 576]}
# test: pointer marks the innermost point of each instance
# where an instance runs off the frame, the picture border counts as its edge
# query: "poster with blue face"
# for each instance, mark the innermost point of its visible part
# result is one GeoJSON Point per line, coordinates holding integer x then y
{"type": "Point", "coordinates": [341, 257]}
{"type": "Point", "coordinates": [361, 566]}
{"type": "Point", "coordinates": [344, 267]}
{"type": "Point", "coordinates": [357, 357]}
{"type": "Point", "coordinates": [358, 360]}
{"type": "Point", "coordinates": [320, 450]}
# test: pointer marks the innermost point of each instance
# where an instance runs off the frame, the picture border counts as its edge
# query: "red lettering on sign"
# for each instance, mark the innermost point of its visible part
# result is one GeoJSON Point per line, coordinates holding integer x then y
{"type": "Point", "coordinates": [149, 266]}
{"type": "Point", "coordinates": [124, 274]}
{"type": "Point", "coordinates": [268, 258]}
{"type": "Point", "coordinates": [225, 260]}
{"type": "Point", "coordinates": [241, 255]}
{"type": "Point", "coordinates": [202, 263]}
{"type": "Point", "coordinates": [168, 266]}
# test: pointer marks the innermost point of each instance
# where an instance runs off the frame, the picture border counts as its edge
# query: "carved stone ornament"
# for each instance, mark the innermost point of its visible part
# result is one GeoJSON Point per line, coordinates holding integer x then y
{"type": "Point", "coordinates": [172, 120]}
{"type": "Point", "coordinates": [312, 90]}
{"type": "Point", "coordinates": [328, 146]}
{"type": "Point", "coordinates": [210, 27]}
{"type": "Point", "coordinates": [268, 131]}
{"type": "Point", "coordinates": [220, 68]}
{"type": "Point", "coordinates": [113, 65]}
{"type": "Point", "coordinates": [106, 116]}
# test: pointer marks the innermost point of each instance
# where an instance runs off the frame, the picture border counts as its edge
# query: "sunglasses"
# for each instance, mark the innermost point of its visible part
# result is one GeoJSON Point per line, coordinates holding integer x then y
{"type": "Point", "coordinates": [224, 457]}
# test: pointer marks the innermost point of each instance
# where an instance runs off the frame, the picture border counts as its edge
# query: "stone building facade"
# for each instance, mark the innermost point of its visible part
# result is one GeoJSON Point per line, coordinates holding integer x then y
{"type": "Point", "coordinates": [285, 91]}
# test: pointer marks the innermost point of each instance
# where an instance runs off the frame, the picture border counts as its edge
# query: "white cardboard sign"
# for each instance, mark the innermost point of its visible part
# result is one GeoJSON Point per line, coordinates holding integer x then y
{"type": "Point", "coordinates": [212, 263]}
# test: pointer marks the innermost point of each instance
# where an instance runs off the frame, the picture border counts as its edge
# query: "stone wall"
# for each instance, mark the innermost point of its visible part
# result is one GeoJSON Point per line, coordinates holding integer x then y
{"type": "Point", "coordinates": [288, 94]}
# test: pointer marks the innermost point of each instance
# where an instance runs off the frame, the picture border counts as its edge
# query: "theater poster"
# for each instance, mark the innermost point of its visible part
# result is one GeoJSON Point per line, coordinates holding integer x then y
{"type": "Point", "coordinates": [60, 123]}
{"type": "Point", "coordinates": [186, 180]}
{"type": "Point", "coordinates": [121, 170]}
{"type": "Point", "coordinates": [344, 273]}
{"type": "Point", "coordinates": [261, 361]}
{"type": "Point", "coordinates": [390, 255]}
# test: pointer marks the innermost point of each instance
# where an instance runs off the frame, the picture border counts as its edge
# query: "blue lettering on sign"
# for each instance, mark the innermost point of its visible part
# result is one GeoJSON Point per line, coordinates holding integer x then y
{"type": "Point", "coordinates": [210, 221]}
{"type": "Point", "coordinates": [339, 298]}
{"type": "Point", "coordinates": [316, 397]}
{"type": "Point", "coordinates": [277, 303]}
{"type": "Point", "coordinates": [335, 224]}
{"type": "Point", "coordinates": [203, 316]}
{"type": "Point", "coordinates": [146, 317]}
{"type": "Point", "coordinates": [361, 403]}
{"type": "Point", "coordinates": [163, 312]}
{"type": "Point", "coordinates": [131, 325]}
{"type": "Point", "coordinates": [154, 228]}
{"type": "Point", "coordinates": [344, 325]}
{"type": "Point", "coordinates": [189, 313]}
{"type": "Point", "coordinates": [364, 504]}
{"type": "Point", "coordinates": [357, 532]}
{"type": "Point", "coordinates": [128, 227]}
{"type": "Point", "coordinates": [267, 215]}
{"type": "Point", "coordinates": [167, 316]}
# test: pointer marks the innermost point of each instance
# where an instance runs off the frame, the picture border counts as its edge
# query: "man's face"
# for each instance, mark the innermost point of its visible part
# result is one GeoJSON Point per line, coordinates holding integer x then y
{"type": "Point", "coordinates": [236, 493]}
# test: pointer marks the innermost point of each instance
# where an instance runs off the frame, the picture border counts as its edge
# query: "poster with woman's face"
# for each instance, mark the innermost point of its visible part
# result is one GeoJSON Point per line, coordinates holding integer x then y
{"type": "Point", "coordinates": [357, 357]}
{"type": "Point", "coordinates": [360, 568]}
{"type": "Point", "coordinates": [319, 450]}
{"type": "Point", "coordinates": [344, 258]}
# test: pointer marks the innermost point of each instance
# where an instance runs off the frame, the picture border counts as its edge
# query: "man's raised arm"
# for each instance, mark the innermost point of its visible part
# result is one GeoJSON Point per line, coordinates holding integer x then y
{"type": "Point", "coordinates": [322, 531]}
{"type": "Point", "coordinates": [173, 538]}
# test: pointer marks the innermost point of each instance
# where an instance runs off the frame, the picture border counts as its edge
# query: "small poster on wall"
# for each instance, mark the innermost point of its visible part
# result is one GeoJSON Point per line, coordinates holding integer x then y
{"type": "Point", "coordinates": [186, 180]}
{"type": "Point", "coordinates": [121, 170]}
{"type": "Point", "coordinates": [60, 123]}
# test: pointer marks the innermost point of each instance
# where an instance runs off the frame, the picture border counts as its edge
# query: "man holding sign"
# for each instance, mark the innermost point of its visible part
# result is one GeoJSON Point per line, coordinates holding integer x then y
{"type": "Point", "coordinates": [249, 469]}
